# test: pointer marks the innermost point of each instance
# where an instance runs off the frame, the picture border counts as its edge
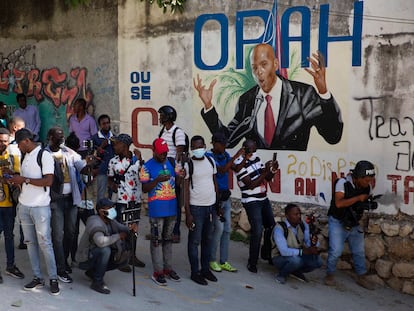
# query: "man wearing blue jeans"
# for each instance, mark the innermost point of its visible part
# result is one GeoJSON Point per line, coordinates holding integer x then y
{"type": "Point", "coordinates": [34, 208]}
{"type": "Point", "coordinates": [344, 214]}
{"type": "Point", "coordinates": [7, 210]}
{"type": "Point", "coordinates": [200, 188]}
{"type": "Point", "coordinates": [295, 252]}
{"type": "Point", "coordinates": [64, 205]}
{"type": "Point", "coordinates": [251, 178]}
{"type": "Point", "coordinates": [222, 216]}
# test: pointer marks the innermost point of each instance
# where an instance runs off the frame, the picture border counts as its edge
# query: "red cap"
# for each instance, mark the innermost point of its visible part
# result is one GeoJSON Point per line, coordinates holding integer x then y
{"type": "Point", "coordinates": [160, 146]}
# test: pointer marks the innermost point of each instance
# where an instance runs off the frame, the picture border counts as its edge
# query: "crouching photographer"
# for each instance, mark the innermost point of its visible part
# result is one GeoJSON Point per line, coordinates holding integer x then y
{"type": "Point", "coordinates": [105, 245]}
{"type": "Point", "coordinates": [351, 198]}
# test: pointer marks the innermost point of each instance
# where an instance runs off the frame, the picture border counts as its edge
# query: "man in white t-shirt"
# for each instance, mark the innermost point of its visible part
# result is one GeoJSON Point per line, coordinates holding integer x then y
{"type": "Point", "coordinates": [34, 208]}
{"type": "Point", "coordinates": [176, 141]}
{"type": "Point", "coordinates": [200, 188]}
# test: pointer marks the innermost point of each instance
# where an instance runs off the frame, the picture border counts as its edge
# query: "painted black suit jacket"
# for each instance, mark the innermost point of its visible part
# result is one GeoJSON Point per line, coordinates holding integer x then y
{"type": "Point", "coordinates": [301, 108]}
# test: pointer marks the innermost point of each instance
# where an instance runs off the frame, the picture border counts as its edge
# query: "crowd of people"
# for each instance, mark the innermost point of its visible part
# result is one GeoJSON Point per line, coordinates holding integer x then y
{"type": "Point", "coordinates": [46, 186]}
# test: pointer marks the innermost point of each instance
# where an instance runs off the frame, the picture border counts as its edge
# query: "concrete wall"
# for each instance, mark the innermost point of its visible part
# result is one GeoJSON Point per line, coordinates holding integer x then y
{"type": "Point", "coordinates": [55, 55]}
{"type": "Point", "coordinates": [159, 55]}
{"type": "Point", "coordinates": [128, 59]}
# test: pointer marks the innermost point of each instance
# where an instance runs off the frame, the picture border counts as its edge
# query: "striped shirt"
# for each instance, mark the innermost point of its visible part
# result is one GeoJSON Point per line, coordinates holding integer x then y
{"type": "Point", "coordinates": [167, 135]}
{"type": "Point", "coordinates": [253, 169]}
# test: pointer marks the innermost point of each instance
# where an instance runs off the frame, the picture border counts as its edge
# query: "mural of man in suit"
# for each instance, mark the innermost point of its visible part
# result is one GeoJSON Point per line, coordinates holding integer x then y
{"type": "Point", "coordinates": [277, 113]}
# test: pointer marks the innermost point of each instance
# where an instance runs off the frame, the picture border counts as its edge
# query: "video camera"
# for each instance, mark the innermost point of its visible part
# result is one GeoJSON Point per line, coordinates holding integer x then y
{"type": "Point", "coordinates": [131, 213]}
{"type": "Point", "coordinates": [118, 178]}
{"type": "Point", "coordinates": [353, 214]}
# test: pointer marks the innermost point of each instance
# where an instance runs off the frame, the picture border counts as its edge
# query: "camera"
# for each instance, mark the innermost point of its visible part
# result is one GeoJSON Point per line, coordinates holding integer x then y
{"type": "Point", "coordinates": [353, 214]}
{"type": "Point", "coordinates": [130, 213]}
{"type": "Point", "coordinates": [118, 178]}
{"type": "Point", "coordinates": [88, 144]}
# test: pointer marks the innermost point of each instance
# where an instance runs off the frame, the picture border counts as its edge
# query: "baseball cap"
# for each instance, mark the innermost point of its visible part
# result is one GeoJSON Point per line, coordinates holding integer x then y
{"type": "Point", "coordinates": [363, 169]}
{"type": "Point", "coordinates": [219, 137]}
{"type": "Point", "coordinates": [123, 138]}
{"type": "Point", "coordinates": [104, 202]}
{"type": "Point", "coordinates": [160, 146]}
{"type": "Point", "coordinates": [22, 134]}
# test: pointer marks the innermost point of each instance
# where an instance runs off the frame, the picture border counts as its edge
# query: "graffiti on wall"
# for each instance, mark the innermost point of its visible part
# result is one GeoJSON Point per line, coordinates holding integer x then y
{"type": "Point", "coordinates": [52, 90]}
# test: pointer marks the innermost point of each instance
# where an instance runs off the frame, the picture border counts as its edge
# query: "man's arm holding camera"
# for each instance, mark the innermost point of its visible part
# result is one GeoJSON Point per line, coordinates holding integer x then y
{"type": "Point", "coordinates": [342, 202]}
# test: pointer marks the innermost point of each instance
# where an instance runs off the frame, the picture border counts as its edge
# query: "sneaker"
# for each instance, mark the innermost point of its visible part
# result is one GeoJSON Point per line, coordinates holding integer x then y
{"type": "Point", "coordinates": [215, 266]}
{"type": "Point", "coordinates": [329, 280]}
{"type": "Point", "coordinates": [64, 277]}
{"type": "Point", "coordinates": [299, 276]}
{"type": "Point", "coordinates": [280, 279]}
{"type": "Point", "coordinates": [15, 272]}
{"type": "Point", "coordinates": [22, 246]}
{"type": "Point", "coordinates": [198, 278]}
{"type": "Point", "coordinates": [209, 276]}
{"type": "Point", "coordinates": [159, 279]}
{"type": "Point", "coordinates": [228, 267]}
{"type": "Point", "coordinates": [125, 268]}
{"type": "Point", "coordinates": [100, 287]}
{"type": "Point", "coordinates": [136, 262]}
{"type": "Point", "coordinates": [34, 284]}
{"type": "Point", "coordinates": [54, 287]}
{"type": "Point", "coordinates": [363, 281]}
{"type": "Point", "coordinates": [252, 268]}
{"type": "Point", "coordinates": [172, 275]}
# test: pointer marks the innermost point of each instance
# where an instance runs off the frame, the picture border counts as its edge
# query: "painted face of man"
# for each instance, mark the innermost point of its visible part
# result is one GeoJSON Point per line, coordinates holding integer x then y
{"type": "Point", "coordinates": [264, 65]}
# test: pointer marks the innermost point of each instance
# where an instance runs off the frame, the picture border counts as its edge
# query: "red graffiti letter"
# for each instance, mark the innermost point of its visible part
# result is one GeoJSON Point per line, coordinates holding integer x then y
{"type": "Point", "coordinates": [394, 179]}
{"type": "Point", "coordinates": [134, 120]}
{"type": "Point", "coordinates": [35, 86]}
{"type": "Point", "coordinates": [49, 77]}
{"type": "Point", "coordinates": [408, 188]}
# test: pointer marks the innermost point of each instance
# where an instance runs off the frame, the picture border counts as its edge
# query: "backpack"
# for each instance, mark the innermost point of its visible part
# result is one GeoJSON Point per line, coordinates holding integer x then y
{"type": "Point", "coordinates": [285, 228]}
{"type": "Point", "coordinates": [187, 141]}
{"type": "Point", "coordinates": [56, 189]}
{"type": "Point", "coordinates": [191, 168]}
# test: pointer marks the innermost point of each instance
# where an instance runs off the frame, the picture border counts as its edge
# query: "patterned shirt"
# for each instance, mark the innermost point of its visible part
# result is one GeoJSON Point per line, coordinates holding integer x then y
{"type": "Point", "coordinates": [162, 198]}
{"type": "Point", "coordinates": [129, 189]}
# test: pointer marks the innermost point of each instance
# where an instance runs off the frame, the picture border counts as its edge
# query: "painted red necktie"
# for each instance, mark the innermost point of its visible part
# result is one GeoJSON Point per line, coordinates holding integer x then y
{"type": "Point", "coordinates": [270, 124]}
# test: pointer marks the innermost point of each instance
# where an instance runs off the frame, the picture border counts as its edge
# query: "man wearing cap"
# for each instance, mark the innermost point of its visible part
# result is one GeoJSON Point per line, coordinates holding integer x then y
{"type": "Point", "coordinates": [34, 208]}
{"type": "Point", "coordinates": [177, 145]}
{"type": "Point", "coordinates": [101, 234]}
{"type": "Point", "coordinates": [158, 178]}
{"type": "Point", "coordinates": [123, 179]}
{"type": "Point", "coordinates": [222, 217]}
{"type": "Point", "coordinates": [350, 191]}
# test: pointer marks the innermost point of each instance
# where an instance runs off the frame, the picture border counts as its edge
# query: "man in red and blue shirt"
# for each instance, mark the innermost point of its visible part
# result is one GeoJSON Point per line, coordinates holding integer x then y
{"type": "Point", "coordinates": [158, 179]}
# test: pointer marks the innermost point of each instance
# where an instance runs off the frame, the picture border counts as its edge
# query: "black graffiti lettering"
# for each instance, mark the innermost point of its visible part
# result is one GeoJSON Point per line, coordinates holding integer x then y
{"type": "Point", "coordinates": [397, 126]}
{"type": "Point", "coordinates": [379, 122]}
{"type": "Point", "coordinates": [412, 122]}
{"type": "Point", "coordinates": [404, 159]}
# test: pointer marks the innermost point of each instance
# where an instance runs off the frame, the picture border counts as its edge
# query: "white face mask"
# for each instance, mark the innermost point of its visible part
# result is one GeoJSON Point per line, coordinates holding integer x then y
{"type": "Point", "coordinates": [111, 213]}
{"type": "Point", "coordinates": [198, 153]}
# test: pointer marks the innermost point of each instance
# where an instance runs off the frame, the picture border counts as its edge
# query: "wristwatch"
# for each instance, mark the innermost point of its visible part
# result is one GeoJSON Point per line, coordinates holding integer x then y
{"type": "Point", "coordinates": [27, 181]}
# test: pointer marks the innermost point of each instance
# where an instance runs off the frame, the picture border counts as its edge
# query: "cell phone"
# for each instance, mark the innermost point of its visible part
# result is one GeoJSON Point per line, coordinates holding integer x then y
{"type": "Point", "coordinates": [7, 176]}
{"type": "Point", "coordinates": [274, 156]}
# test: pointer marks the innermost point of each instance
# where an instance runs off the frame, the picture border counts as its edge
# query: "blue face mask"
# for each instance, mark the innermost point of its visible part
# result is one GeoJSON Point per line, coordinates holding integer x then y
{"type": "Point", "coordinates": [198, 153]}
{"type": "Point", "coordinates": [111, 213]}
